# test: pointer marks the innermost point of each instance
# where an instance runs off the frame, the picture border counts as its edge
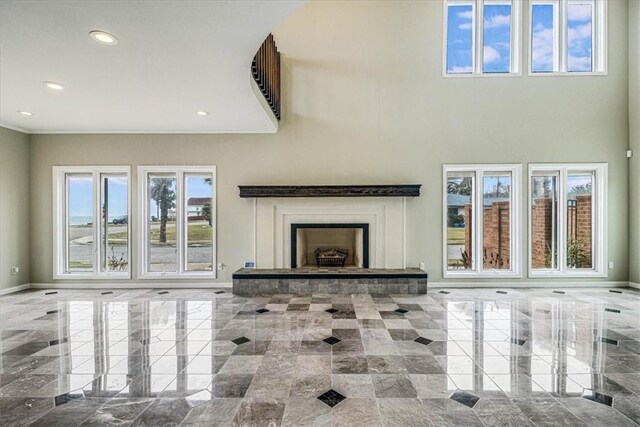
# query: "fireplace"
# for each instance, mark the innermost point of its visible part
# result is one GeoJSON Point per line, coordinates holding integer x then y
{"type": "Point", "coordinates": [330, 245]}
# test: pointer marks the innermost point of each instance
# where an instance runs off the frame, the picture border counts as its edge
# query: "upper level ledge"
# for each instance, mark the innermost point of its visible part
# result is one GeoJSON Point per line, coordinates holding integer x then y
{"type": "Point", "coordinates": [407, 190]}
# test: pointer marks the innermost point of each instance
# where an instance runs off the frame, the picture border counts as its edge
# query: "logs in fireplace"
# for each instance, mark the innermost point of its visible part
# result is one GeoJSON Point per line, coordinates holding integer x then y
{"type": "Point", "coordinates": [331, 257]}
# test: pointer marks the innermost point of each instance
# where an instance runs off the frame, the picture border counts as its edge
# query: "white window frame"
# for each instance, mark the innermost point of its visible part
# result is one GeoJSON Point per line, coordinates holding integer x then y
{"type": "Point", "coordinates": [181, 216]}
{"type": "Point", "coordinates": [477, 224]}
{"type": "Point", "coordinates": [60, 222]}
{"type": "Point", "coordinates": [599, 38]}
{"type": "Point", "coordinates": [599, 219]}
{"type": "Point", "coordinates": [477, 37]}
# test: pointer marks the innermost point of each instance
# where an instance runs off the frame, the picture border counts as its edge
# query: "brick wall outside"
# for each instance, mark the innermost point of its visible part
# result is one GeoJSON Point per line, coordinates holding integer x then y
{"type": "Point", "coordinates": [541, 230]}
{"type": "Point", "coordinates": [497, 236]}
{"type": "Point", "coordinates": [468, 230]}
{"type": "Point", "coordinates": [579, 226]}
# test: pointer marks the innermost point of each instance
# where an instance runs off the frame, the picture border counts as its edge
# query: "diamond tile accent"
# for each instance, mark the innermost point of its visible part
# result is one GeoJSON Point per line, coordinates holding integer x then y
{"type": "Point", "coordinates": [52, 311]}
{"type": "Point", "coordinates": [540, 310]}
{"type": "Point", "coordinates": [423, 340]}
{"type": "Point", "coordinates": [331, 398]}
{"type": "Point", "coordinates": [332, 340]}
{"type": "Point", "coordinates": [50, 293]}
{"type": "Point", "coordinates": [60, 341]}
{"type": "Point", "coordinates": [240, 340]}
{"type": "Point", "coordinates": [518, 341]}
{"type": "Point", "coordinates": [401, 311]}
{"type": "Point", "coordinates": [107, 293]}
{"type": "Point", "coordinates": [502, 292]}
{"type": "Point", "coordinates": [608, 341]}
{"type": "Point", "coordinates": [597, 397]}
{"type": "Point", "coordinates": [614, 291]}
{"type": "Point", "coordinates": [61, 399]}
{"type": "Point", "coordinates": [331, 310]}
{"type": "Point", "coordinates": [163, 292]}
{"type": "Point", "coordinates": [612, 310]}
{"type": "Point", "coordinates": [559, 292]}
{"type": "Point", "coordinates": [219, 292]}
{"type": "Point", "coordinates": [444, 292]}
{"type": "Point", "coordinates": [465, 398]}
{"type": "Point", "coordinates": [262, 310]}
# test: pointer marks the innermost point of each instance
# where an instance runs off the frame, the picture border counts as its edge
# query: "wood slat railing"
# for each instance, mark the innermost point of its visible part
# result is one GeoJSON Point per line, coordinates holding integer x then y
{"type": "Point", "coordinates": [266, 72]}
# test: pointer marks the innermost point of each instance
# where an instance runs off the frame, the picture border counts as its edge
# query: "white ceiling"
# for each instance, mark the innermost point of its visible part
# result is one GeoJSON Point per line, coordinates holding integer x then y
{"type": "Point", "coordinates": [173, 59]}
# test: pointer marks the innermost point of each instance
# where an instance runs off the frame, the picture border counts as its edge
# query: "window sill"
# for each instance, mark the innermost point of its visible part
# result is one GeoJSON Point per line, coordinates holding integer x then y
{"type": "Point", "coordinates": [567, 274]}
{"type": "Point", "coordinates": [80, 276]}
{"type": "Point", "coordinates": [568, 74]}
{"type": "Point", "coordinates": [190, 276]}
{"type": "Point", "coordinates": [485, 275]}
{"type": "Point", "coordinates": [482, 75]}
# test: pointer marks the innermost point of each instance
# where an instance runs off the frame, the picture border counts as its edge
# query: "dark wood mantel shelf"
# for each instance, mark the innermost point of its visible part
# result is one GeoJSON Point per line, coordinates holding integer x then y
{"type": "Point", "coordinates": [408, 190]}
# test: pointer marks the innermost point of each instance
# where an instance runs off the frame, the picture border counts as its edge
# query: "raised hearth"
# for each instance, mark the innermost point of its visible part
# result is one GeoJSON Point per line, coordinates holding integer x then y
{"type": "Point", "coordinates": [307, 281]}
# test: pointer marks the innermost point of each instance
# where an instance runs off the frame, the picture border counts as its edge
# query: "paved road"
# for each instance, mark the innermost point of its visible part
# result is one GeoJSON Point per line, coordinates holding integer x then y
{"type": "Point", "coordinates": [159, 254]}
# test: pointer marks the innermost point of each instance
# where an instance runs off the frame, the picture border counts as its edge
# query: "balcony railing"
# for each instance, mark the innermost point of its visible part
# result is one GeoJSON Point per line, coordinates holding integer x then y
{"type": "Point", "coordinates": [266, 72]}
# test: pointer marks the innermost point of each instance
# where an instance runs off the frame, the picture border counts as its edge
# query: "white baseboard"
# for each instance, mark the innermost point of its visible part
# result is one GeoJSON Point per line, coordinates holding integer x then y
{"type": "Point", "coordinates": [529, 284]}
{"type": "Point", "coordinates": [14, 289]}
{"type": "Point", "coordinates": [129, 285]}
{"type": "Point", "coordinates": [634, 285]}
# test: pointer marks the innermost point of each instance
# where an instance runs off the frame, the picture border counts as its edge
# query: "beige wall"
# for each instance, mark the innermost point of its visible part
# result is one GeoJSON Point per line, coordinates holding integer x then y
{"type": "Point", "coordinates": [365, 103]}
{"type": "Point", "coordinates": [14, 207]}
{"type": "Point", "coordinates": [634, 141]}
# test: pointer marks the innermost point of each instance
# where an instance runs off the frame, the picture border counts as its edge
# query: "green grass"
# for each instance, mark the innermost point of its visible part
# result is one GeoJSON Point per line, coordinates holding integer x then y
{"type": "Point", "coordinates": [195, 233]}
{"type": "Point", "coordinates": [455, 236]}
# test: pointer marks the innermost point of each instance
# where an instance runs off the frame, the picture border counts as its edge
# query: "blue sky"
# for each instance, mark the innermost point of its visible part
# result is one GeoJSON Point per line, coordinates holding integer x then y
{"type": "Point", "coordinates": [497, 39]}
{"type": "Point", "coordinates": [80, 197]}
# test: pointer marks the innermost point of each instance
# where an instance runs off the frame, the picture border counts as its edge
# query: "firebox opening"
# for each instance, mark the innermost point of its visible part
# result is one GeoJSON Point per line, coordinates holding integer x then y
{"type": "Point", "coordinates": [330, 245]}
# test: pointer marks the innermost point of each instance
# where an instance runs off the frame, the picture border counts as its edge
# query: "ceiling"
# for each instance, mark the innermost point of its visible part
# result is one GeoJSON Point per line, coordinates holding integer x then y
{"type": "Point", "coordinates": [173, 58]}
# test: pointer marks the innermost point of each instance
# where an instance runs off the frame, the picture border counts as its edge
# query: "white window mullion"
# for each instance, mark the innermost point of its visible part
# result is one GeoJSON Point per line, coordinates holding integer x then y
{"type": "Point", "coordinates": [478, 36]}
{"type": "Point", "coordinates": [180, 228]}
{"type": "Point", "coordinates": [479, 221]}
{"type": "Point", "coordinates": [562, 222]}
{"type": "Point", "coordinates": [97, 221]}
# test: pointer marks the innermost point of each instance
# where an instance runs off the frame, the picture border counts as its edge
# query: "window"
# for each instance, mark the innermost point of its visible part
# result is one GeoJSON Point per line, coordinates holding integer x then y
{"type": "Point", "coordinates": [482, 37]}
{"type": "Point", "coordinates": [178, 221]}
{"type": "Point", "coordinates": [481, 220]}
{"type": "Point", "coordinates": [567, 219]}
{"type": "Point", "coordinates": [91, 217]}
{"type": "Point", "coordinates": [568, 36]}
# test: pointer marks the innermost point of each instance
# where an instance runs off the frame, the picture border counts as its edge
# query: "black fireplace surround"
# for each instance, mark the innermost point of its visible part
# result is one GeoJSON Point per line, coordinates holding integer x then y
{"type": "Point", "coordinates": [362, 226]}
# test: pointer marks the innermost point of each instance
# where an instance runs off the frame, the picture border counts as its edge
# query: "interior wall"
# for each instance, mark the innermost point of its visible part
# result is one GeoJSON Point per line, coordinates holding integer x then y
{"type": "Point", "coordinates": [634, 141]}
{"type": "Point", "coordinates": [14, 208]}
{"type": "Point", "coordinates": [364, 102]}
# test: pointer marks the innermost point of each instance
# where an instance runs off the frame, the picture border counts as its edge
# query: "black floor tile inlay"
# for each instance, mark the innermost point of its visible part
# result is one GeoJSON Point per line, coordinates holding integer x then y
{"type": "Point", "coordinates": [262, 310]}
{"type": "Point", "coordinates": [444, 292]}
{"type": "Point", "coordinates": [240, 340]}
{"type": "Point", "coordinates": [608, 341]}
{"type": "Point", "coordinates": [106, 293]}
{"type": "Point", "coordinates": [518, 341]}
{"type": "Point", "coordinates": [332, 340]}
{"type": "Point", "coordinates": [60, 341]}
{"type": "Point", "coordinates": [219, 292]}
{"type": "Point", "coordinates": [612, 310]}
{"type": "Point", "coordinates": [502, 292]}
{"type": "Point", "coordinates": [50, 293]}
{"type": "Point", "coordinates": [331, 310]}
{"type": "Point", "coordinates": [540, 310]}
{"type": "Point", "coordinates": [614, 291]}
{"type": "Point", "coordinates": [422, 340]}
{"type": "Point", "coordinates": [559, 292]}
{"type": "Point", "coordinates": [465, 398]}
{"type": "Point", "coordinates": [163, 292]}
{"type": "Point", "coordinates": [401, 311]}
{"type": "Point", "coordinates": [65, 398]}
{"type": "Point", "coordinates": [597, 397]}
{"type": "Point", "coordinates": [331, 398]}
{"type": "Point", "coordinates": [52, 311]}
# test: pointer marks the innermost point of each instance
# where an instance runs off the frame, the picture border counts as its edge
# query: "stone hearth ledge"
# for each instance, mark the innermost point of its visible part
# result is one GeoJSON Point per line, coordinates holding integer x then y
{"type": "Point", "coordinates": [307, 281]}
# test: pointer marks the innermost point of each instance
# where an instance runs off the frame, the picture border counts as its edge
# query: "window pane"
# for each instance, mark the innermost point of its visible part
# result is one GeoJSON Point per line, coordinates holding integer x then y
{"type": "Point", "coordinates": [497, 39]}
{"type": "Point", "coordinates": [460, 39]}
{"type": "Point", "coordinates": [496, 214]}
{"type": "Point", "coordinates": [580, 37]}
{"type": "Point", "coordinates": [199, 220]}
{"type": "Point", "coordinates": [80, 223]}
{"type": "Point", "coordinates": [544, 218]}
{"type": "Point", "coordinates": [543, 43]}
{"type": "Point", "coordinates": [460, 255]}
{"type": "Point", "coordinates": [162, 251]}
{"type": "Point", "coordinates": [579, 221]}
{"type": "Point", "coordinates": [114, 223]}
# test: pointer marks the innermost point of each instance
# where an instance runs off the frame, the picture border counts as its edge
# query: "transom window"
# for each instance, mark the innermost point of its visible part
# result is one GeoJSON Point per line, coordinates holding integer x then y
{"type": "Point", "coordinates": [178, 209]}
{"type": "Point", "coordinates": [91, 217]}
{"type": "Point", "coordinates": [567, 36]}
{"type": "Point", "coordinates": [481, 220]}
{"type": "Point", "coordinates": [567, 227]}
{"type": "Point", "coordinates": [482, 37]}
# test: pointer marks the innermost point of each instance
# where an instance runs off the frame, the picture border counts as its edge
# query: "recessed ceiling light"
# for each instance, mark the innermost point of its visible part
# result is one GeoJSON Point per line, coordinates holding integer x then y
{"type": "Point", "coordinates": [103, 38]}
{"type": "Point", "coordinates": [53, 85]}
{"type": "Point", "coordinates": [202, 113]}
{"type": "Point", "coordinates": [25, 113]}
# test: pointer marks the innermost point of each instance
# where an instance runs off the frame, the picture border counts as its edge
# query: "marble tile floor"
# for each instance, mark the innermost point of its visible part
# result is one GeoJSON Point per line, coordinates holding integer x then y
{"type": "Point", "coordinates": [472, 357]}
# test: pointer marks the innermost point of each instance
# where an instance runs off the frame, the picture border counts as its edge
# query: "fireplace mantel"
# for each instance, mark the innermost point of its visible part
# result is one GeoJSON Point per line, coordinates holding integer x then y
{"type": "Point", "coordinates": [407, 190]}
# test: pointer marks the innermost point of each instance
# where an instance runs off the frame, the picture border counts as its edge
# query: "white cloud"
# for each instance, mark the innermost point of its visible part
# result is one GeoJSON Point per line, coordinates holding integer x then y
{"type": "Point", "coordinates": [497, 21]}
{"type": "Point", "coordinates": [490, 55]}
{"type": "Point", "coordinates": [542, 48]}
{"type": "Point", "coordinates": [579, 12]}
{"type": "Point", "coordinates": [579, 32]}
{"type": "Point", "coordinates": [465, 26]}
{"type": "Point", "coordinates": [458, 69]}
{"type": "Point", "coordinates": [579, 63]}
{"type": "Point", "coordinates": [467, 14]}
